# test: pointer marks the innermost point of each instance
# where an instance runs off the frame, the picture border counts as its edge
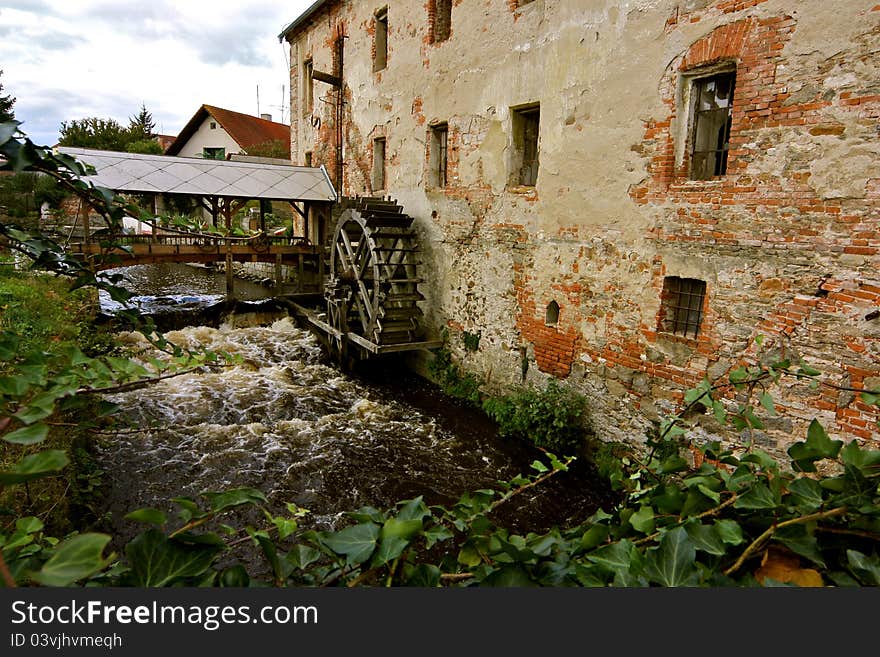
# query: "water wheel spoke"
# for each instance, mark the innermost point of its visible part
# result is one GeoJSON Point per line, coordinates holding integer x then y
{"type": "Point", "coordinates": [345, 251]}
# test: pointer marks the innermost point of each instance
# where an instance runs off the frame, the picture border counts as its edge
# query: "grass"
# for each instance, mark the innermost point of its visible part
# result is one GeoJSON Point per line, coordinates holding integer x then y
{"type": "Point", "coordinates": [48, 318]}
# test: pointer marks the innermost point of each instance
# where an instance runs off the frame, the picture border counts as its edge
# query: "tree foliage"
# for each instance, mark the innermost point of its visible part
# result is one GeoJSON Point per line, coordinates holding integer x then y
{"type": "Point", "coordinates": [94, 132]}
{"type": "Point", "coordinates": [141, 126]}
{"type": "Point", "coordinates": [274, 148]}
{"type": "Point", "coordinates": [110, 135]}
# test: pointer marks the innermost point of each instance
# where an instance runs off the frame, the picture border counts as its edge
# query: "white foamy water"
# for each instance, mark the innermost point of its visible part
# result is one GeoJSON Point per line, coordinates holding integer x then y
{"type": "Point", "coordinates": [288, 423]}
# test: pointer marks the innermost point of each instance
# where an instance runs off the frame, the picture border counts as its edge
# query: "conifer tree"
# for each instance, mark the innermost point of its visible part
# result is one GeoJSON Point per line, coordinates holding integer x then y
{"type": "Point", "coordinates": [6, 103]}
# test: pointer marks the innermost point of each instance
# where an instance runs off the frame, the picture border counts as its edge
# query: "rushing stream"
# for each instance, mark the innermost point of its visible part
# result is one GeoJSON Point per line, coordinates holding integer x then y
{"type": "Point", "coordinates": [289, 423]}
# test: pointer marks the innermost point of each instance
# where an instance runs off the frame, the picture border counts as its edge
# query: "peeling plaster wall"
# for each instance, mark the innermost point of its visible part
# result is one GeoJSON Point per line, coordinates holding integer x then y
{"type": "Point", "coordinates": [787, 241]}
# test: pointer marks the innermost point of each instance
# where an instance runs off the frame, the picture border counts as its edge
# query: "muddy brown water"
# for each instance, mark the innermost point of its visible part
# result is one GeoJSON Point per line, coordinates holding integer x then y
{"type": "Point", "coordinates": [289, 423]}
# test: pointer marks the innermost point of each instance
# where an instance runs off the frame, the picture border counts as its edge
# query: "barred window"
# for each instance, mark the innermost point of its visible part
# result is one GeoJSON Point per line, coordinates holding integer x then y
{"type": "Point", "coordinates": [681, 311]}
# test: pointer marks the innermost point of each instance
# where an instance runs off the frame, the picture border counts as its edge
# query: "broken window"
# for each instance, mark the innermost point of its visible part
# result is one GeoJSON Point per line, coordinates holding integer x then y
{"type": "Point", "coordinates": [681, 311]}
{"type": "Point", "coordinates": [214, 153]}
{"type": "Point", "coordinates": [710, 139]}
{"type": "Point", "coordinates": [525, 142]}
{"type": "Point", "coordinates": [380, 55]}
{"type": "Point", "coordinates": [442, 20]}
{"type": "Point", "coordinates": [378, 164]}
{"type": "Point", "coordinates": [439, 154]}
{"type": "Point", "coordinates": [308, 87]}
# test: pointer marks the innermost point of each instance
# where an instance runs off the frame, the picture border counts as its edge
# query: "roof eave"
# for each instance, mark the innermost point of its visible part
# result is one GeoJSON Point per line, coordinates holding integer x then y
{"type": "Point", "coordinates": [302, 19]}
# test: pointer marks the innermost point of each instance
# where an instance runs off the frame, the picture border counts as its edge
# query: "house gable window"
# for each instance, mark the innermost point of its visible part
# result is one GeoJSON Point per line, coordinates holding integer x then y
{"type": "Point", "coordinates": [711, 117]}
{"type": "Point", "coordinates": [214, 153]}
{"type": "Point", "coordinates": [439, 156]}
{"type": "Point", "coordinates": [681, 306]}
{"type": "Point", "coordinates": [380, 42]}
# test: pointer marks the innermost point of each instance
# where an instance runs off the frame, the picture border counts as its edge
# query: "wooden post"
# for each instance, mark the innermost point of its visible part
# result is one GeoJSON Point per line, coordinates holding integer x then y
{"type": "Point", "coordinates": [277, 269]}
{"type": "Point", "coordinates": [230, 279]}
{"type": "Point", "coordinates": [84, 214]}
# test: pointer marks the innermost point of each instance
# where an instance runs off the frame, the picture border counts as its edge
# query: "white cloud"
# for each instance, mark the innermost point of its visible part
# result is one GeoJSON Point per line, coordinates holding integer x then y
{"type": "Point", "coordinates": [65, 60]}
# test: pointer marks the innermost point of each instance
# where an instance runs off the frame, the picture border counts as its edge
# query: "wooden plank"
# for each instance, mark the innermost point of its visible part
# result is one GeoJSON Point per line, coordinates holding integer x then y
{"type": "Point", "coordinates": [409, 346]}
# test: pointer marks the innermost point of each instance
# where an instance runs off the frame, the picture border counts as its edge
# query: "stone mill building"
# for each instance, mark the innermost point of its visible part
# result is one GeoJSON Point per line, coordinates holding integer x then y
{"type": "Point", "coordinates": [627, 196]}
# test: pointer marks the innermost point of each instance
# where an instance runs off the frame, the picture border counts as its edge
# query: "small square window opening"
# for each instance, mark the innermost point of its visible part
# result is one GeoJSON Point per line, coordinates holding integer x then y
{"type": "Point", "coordinates": [681, 311]}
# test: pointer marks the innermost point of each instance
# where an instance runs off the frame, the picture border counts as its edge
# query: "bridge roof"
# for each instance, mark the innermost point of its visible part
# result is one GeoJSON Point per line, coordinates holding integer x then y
{"type": "Point", "coordinates": [135, 172]}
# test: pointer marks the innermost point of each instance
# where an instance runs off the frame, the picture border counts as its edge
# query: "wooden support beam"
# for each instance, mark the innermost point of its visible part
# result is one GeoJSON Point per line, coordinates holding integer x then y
{"type": "Point", "coordinates": [332, 80]}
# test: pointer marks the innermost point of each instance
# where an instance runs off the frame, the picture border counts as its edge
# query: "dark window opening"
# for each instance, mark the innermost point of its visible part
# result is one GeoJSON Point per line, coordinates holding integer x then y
{"type": "Point", "coordinates": [308, 87]}
{"type": "Point", "coordinates": [378, 164]}
{"type": "Point", "coordinates": [214, 153]}
{"type": "Point", "coordinates": [442, 20]}
{"type": "Point", "coordinates": [682, 306]}
{"type": "Point", "coordinates": [308, 158]}
{"type": "Point", "coordinates": [213, 125]}
{"type": "Point", "coordinates": [439, 154]}
{"type": "Point", "coordinates": [525, 139]}
{"type": "Point", "coordinates": [710, 140]}
{"type": "Point", "coordinates": [552, 315]}
{"type": "Point", "coordinates": [380, 57]}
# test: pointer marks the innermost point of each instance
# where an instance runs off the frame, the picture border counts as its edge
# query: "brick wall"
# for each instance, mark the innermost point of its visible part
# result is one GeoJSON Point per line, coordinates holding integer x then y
{"type": "Point", "coordinates": [786, 240]}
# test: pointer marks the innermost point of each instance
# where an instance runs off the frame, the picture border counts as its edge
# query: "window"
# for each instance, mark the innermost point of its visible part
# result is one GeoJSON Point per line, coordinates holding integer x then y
{"type": "Point", "coordinates": [710, 138]}
{"type": "Point", "coordinates": [551, 317]}
{"type": "Point", "coordinates": [380, 55]}
{"type": "Point", "coordinates": [681, 311]}
{"type": "Point", "coordinates": [525, 145]}
{"type": "Point", "coordinates": [442, 27]}
{"type": "Point", "coordinates": [214, 153]}
{"type": "Point", "coordinates": [213, 125]}
{"type": "Point", "coordinates": [439, 155]}
{"type": "Point", "coordinates": [308, 158]}
{"type": "Point", "coordinates": [308, 87]}
{"type": "Point", "coordinates": [378, 164]}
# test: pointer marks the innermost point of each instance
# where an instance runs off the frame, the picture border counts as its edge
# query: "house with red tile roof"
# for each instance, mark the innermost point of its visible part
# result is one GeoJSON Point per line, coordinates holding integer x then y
{"type": "Point", "coordinates": [216, 133]}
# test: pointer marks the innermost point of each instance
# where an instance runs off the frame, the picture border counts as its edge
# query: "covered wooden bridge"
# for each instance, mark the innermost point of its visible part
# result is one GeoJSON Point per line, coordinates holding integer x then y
{"type": "Point", "coordinates": [222, 188]}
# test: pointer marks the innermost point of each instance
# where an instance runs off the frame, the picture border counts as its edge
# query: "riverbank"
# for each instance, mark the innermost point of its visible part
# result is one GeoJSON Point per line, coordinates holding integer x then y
{"type": "Point", "coordinates": [43, 320]}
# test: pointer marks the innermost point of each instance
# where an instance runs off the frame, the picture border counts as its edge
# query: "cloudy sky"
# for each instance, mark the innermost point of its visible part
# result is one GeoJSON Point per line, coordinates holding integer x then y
{"type": "Point", "coordinates": [71, 59]}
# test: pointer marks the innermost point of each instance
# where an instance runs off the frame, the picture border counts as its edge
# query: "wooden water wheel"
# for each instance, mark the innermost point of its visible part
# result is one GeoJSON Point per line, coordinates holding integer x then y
{"type": "Point", "coordinates": [372, 290]}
